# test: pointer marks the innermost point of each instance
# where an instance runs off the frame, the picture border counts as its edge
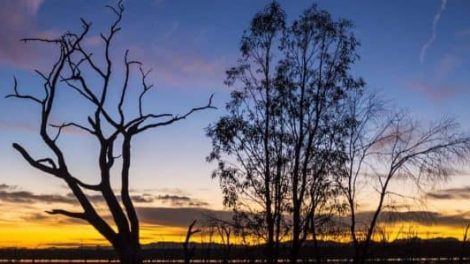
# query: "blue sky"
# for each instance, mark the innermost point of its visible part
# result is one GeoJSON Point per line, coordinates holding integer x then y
{"type": "Point", "coordinates": [189, 44]}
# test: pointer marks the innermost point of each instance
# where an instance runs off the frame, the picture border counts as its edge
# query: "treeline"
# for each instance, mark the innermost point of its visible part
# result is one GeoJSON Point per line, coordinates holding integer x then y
{"type": "Point", "coordinates": [407, 249]}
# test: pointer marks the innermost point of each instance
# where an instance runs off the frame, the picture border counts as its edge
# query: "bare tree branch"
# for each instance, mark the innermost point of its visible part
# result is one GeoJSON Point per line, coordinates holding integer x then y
{"type": "Point", "coordinates": [68, 213]}
{"type": "Point", "coordinates": [72, 124]}
{"type": "Point", "coordinates": [17, 94]}
{"type": "Point", "coordinates": [68, 70]}
{"type": "Point", "coordinates": [175, 118]}
{"type": "Point", "coordinates": [38, 164]}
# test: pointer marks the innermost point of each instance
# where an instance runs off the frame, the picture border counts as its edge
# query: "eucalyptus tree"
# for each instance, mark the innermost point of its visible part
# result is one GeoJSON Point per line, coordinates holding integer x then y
{"type": "Point", "coordinates": [111, 124]}
{"type": "Point", "coordinates": [282, 133]}
{"type": "Point", "coordinates": [314, 80]}
{"type": "Point", "coordinates": [248, 142]}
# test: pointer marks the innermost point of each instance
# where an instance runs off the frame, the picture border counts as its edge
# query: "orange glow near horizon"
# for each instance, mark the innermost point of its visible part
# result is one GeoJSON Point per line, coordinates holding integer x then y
{"type": "Point", "coordinates": [406, 230]}
{"type": "Point", "coordinates": [407, 81]}
{"type": "Point", "coordinates": [33, 235]}
{"type": "Point", "coordinates": [36, 235]}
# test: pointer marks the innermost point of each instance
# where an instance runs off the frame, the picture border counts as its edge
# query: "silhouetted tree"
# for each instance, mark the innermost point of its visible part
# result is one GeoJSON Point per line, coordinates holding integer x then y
{"type": "Point", "coordinates": [314, 78]}
{"type": "Point", "coordinates": [113, 130]}
{"type": "Point", "coordinates": [248, 142]}
{"type": "Point", "coordinates": [464, 242]}
{"type": "Point", "coordinates": [225, 231]}
{"type": "Point", "coordinates": [277, 145]}
{"type": "Point", "coordinates": [364, 129]}
{"type": "Point", "coordinates": [393, 148]}
{"type": "Point", "coordinates": [187, 250]}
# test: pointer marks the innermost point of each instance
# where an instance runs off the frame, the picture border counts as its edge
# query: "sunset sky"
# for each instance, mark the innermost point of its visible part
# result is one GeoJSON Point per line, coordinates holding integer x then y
{"type": "Point", "coordinates": [414, 53]}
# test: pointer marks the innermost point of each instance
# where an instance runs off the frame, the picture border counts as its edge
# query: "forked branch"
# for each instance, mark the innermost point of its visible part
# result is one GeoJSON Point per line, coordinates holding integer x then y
{"type": "Point", "coordinates": [17, 94]}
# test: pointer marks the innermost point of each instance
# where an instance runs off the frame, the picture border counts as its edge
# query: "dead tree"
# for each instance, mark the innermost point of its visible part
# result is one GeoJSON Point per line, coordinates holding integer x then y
{"type": "Point", "coordinates": [363, 132]}
{"type": "Point", "coordinates": [225, 232]}
{"type": "Point", "coordinates": [109, 124]}
{"type": "Point", "coordinates": [395, 148]}
{"type": "Point", "coordinates": [464, 242]}
{"type": "Point", "coordinates": [187, 251]}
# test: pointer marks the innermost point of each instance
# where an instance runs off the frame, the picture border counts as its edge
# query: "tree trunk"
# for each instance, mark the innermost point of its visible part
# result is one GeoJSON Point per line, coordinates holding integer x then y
{"type": "Point", "coordinates": [270, 245]}
{"type": "Point", "coordinates": [295, 234]}
{"type": "Point", "coordinates": [315, 241]}
{"type": "Point", "coordinates": [130, 253]}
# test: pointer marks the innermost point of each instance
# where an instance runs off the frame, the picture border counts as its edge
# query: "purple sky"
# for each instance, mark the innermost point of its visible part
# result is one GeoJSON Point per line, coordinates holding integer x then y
{"type": "Point", "coordinates": [415, 53]}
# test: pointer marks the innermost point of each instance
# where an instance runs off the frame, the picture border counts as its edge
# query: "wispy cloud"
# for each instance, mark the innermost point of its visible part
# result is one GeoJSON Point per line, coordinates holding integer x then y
{"type": "Point", "coordinates": [182, 68]}
{"type": "Point", "coordinates": [439, 85]}
{"type": "Point", "coordinates": [18, 21]}
{"type": "Point", "coordinates": [435, 23]}
{"type": "Point", "coordinates": [148, 216]}
{"type": "Point", "coordinates": [435, 92]}
{"type": "Point", "coordinates": [32, 6]}
{"type": "Point", "coordinates": [14, 195]}
{"type": "Point", "coordinates": [426, 218]}
{"type": "Point", "coordinates": [181, 200]}
{"type": "Point", "coordinates": [450, 194]}
{"type": "Point", "coordinates": [4, 187]}
{"type": "Point", "coordinates": [179, 217]}
{"type": "Point", "coordinates": [30, 127]}
{"type": "Point", "coordinates": [10, 194]}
